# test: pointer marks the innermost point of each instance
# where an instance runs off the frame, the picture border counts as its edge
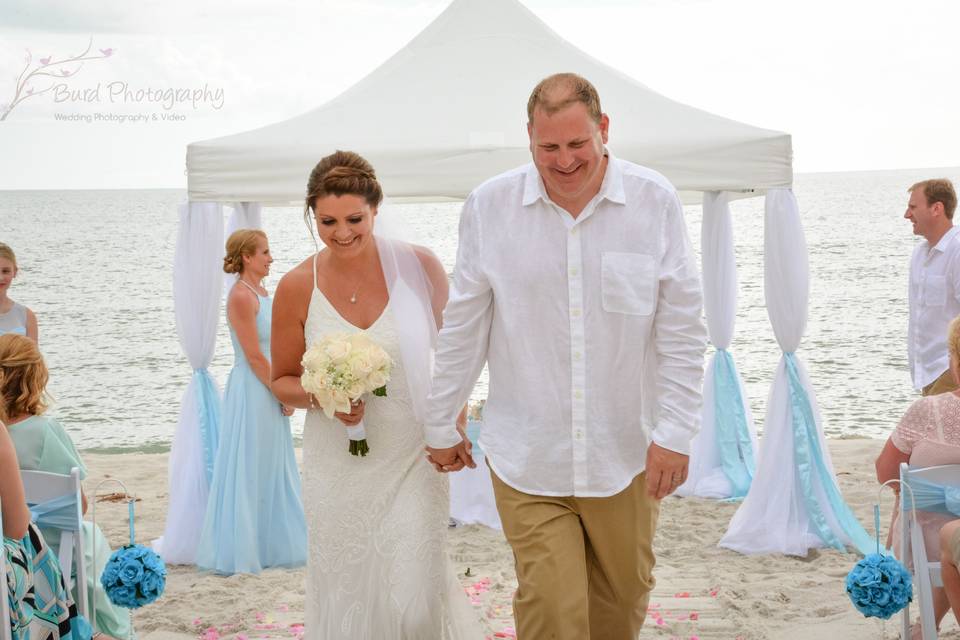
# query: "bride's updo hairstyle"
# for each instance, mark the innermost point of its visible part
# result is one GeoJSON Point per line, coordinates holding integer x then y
{"type": "Point", "coordinates": [23, 377]}
{"type": "Point", "coordinates": [342, 173]}
{"type": "Point", "coordinates": [242, 242]}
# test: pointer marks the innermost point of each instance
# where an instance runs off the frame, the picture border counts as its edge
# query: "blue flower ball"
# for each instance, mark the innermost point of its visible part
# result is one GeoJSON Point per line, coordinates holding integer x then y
{"type": "Point", "coordinates": [134, 576]}
{"type": "Point", "coordinates": [879, 586]}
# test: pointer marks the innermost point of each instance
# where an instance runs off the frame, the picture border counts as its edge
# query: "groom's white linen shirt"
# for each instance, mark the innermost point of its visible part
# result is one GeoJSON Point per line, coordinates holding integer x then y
{"type": "Point", "coordinates": [591, 328]}
{"type": "Point", "coordinates": [934, 302]}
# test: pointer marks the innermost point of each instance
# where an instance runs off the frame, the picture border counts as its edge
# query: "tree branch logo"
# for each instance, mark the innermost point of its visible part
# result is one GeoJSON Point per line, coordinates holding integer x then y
{"type": "Point", "coordinates": [35, 74]}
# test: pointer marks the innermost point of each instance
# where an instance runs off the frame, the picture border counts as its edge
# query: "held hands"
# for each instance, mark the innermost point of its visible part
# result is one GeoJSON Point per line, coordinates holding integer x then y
{"type": "Point", "coordinates": [456, 457]}
{"type": "Point", "coordinates": [353, 418]}
{"type": "Point", "coordinates": [286, 410]}
{"type": "Point", "coordinates": [666, 470]}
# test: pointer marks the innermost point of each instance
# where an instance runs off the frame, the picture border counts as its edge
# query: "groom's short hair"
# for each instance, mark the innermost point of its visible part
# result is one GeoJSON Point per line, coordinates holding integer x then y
{"type": "Point", "coordinates": [559, 91]}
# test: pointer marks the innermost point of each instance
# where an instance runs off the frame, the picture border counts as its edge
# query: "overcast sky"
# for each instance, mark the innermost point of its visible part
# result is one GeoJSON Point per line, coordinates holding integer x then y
{"type": "Point", "coordinates": [859, 84]}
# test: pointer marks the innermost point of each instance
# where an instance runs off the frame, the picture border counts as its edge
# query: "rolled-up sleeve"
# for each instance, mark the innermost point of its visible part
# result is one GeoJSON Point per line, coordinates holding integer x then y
{"type": "Point", "coordinates": [680, 337]}
{"type": "Point", "coordinates": [465, 335]}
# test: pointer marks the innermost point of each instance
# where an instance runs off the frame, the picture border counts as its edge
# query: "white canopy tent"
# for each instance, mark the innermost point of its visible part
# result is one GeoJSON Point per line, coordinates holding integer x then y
{"type": "Point", "coordinates": [442, 115]}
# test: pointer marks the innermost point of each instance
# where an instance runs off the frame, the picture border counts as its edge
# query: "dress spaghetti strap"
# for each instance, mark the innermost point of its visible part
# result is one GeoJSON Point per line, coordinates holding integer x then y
{"type": "Point", "coordinates": [316, 285]}
{"type": "Point", "coordinates": [255, 292]}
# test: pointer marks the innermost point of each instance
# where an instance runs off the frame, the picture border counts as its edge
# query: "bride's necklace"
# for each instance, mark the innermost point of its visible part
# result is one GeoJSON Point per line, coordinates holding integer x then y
{"type": "Point", "coordinates": [353, 298]}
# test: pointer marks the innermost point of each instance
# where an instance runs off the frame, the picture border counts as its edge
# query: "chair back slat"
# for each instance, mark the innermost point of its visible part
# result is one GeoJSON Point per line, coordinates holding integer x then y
{"type": "Point", "coordinates": [41, 486]}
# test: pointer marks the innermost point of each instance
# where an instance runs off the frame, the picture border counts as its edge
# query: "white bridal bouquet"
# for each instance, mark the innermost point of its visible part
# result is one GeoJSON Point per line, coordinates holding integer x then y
{"type": "Point", "coordinates": [338, 370]}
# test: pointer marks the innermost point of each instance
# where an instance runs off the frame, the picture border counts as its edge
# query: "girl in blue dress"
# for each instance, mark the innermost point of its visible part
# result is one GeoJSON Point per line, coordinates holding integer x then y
{"type": "Point", "coordinates": [254, 517]}
{"type": "Point", "coordinates": [14, 317]}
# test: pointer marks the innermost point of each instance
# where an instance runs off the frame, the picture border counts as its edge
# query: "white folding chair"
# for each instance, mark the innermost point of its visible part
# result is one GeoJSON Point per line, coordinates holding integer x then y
{"type": "Point", "coordinates": [41, 487]}
{"type": "Point", "coordinates": [926, 574]}
{"type": "Point", "coordinates": [5, 632]}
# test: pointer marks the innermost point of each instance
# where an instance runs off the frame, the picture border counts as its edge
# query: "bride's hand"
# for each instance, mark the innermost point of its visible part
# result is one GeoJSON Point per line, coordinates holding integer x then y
{"type": "Point", "coordinates": [354, 417]}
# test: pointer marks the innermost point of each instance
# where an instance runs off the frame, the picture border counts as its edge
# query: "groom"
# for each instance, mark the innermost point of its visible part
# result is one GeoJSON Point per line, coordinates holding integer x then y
{"type": "Point", "coordinates": [576, 283]}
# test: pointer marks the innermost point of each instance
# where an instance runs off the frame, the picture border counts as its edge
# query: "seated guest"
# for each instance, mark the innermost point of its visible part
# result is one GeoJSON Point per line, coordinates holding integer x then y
{"type": "Point", "coordinates": [40, 605]}
{"type": "Point", "coordinates": [14, 317]}
{"type": "Point", "coordinates": [928, 435]}
{"type": "Point", "coordinates": [42, 444]}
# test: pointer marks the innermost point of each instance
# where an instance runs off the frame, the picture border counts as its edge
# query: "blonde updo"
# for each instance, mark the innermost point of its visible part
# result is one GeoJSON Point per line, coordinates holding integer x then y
{"type": "Point", "coordinates": [342, 173]}
{"type": "Point", "coordinates": [7, 252]}
{"type": "Point", "coordinates": [242, 242]}
{"type": "Point", "coordinates": [23, 377]}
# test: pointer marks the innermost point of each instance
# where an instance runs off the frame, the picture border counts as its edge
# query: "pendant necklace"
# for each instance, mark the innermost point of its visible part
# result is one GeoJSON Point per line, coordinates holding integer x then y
{"type": "Point", "coordinates": [353, 298]}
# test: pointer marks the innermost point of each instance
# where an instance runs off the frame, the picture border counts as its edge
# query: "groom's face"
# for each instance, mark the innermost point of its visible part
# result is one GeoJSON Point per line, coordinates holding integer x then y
{"type": "Point", "coordinates": [567, 148]}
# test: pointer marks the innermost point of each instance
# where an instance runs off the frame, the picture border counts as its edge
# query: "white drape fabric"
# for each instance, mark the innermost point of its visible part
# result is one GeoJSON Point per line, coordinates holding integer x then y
{"type": "Point", "coordinates": [793, 504]}
{"type": "Point", "coordinates": [197, 286]}
{"type": "Point", "coordinates": [706, 478]}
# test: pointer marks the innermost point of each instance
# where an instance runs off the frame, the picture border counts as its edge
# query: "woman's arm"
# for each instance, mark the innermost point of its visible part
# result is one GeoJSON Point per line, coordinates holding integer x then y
{"type": "Point", "coordinates": [16, 515]}
{"type": "Point", "coordinates": [33, 331]}
{"type": "Point", "coordinates": [437, 277]}
{"type": "Point", "coordinates": [242, 307]}
{"type": "Point", "coordinates": [888, 462]}
{"type": "Point", "coordinates": [287, 343]}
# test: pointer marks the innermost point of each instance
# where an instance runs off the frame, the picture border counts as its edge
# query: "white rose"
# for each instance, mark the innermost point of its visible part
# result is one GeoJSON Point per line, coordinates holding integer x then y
{"type": "Point", "coordinates": [337, 351]}
{"type": "Point", "coordinates": [360, 366]}
{"type": "Point", "coordinates": [377, 379]}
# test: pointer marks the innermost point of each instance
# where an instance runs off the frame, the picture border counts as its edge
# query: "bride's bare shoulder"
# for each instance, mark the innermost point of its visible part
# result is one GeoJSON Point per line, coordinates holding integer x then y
{"type": "Point", "coordinates": [298, 280]}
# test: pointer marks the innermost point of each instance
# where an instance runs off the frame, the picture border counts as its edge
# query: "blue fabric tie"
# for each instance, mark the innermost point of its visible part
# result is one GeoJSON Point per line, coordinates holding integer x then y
{"type": "Point", "coordinates": [811, 467]}
{"type": "Point", "coordinates": [59, 513]}
{"type": "Point", "coordinates": [209, 405]}
{"type": "Point", "coordinates": [930, 496]}
{"type": "Point", "coordinates": [733, 437]}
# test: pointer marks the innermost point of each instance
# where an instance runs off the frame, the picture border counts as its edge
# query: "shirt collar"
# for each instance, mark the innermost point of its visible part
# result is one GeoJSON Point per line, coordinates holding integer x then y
{"type": "Point", "coordinates": [611, 188]}
{"type": "Point", "coordinates": [947, 237]}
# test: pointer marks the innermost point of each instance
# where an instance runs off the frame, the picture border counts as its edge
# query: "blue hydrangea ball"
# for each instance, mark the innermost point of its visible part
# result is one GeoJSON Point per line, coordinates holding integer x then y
{"type": "Point", "coordinates": [134, 576]}
{"type": "Point", "coordinates": [879, 586]}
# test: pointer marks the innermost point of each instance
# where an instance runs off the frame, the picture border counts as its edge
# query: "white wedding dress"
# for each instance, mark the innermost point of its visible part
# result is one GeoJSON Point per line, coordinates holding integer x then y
{"type": "Point", "coordinates": [377, 563]}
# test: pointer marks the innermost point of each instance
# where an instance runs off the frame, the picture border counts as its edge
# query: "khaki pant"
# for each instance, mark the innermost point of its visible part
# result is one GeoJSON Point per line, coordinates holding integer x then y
{"type": "Point", "coordinates": [585, 565]}
{"type": "Point", "coordinates": [943, 384]}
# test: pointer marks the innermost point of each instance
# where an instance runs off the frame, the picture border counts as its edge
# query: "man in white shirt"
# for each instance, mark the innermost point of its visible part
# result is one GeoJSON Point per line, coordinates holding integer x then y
{"type": "Point", "coordinates": [575, 282]}
{"type": "Point", "coordinates": [934, 284]}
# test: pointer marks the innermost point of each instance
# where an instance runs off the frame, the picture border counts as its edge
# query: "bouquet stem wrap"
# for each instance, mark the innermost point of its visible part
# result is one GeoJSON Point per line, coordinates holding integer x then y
{"type": "Point", "coordinates": [358, 439]}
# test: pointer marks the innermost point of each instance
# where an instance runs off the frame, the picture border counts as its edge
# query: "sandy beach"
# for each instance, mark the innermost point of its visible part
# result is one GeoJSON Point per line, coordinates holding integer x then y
{"type": "Point", "coordinates": [702, 592]}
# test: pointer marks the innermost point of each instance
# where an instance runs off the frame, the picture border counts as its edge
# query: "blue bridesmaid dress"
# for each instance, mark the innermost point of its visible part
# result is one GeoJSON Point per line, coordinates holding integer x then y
{"type": "Point", "coordinates": [254, 517]}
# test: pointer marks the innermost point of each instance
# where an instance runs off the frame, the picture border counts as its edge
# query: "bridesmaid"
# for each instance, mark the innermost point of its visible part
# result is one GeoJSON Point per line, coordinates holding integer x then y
{"type": "Point", "coordinates": [14, 317]}
{"type": "Point", "coordinates": [254, 516]}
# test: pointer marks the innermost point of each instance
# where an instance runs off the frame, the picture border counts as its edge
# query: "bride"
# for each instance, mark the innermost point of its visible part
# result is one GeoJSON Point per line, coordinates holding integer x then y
{"type": "Point", "coordinates": [377, 560]}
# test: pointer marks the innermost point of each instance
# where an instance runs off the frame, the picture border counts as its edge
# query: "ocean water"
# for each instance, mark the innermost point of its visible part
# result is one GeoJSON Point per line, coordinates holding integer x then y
{"type": "Point", "coordinates": [96, 267]}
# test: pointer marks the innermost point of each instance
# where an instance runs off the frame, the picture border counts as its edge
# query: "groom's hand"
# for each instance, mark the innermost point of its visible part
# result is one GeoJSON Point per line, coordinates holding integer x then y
{"type": "Point", "coordinates": [666, 470]}
{"type": "Point", "coordinates": [451, 459]}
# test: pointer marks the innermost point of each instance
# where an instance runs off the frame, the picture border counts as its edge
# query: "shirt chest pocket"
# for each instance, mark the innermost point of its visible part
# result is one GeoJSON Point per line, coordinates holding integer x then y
{"type": "Point", "coordinates": [627, 283]}
{"type": "Point", "coordinates": [935, 291]}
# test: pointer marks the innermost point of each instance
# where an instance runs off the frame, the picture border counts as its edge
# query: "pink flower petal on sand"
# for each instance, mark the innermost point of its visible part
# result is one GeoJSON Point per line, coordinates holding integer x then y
{"type": "Point", "coordinates": [283, 607]}
{"type": "Point", "coordinates": [197, 622]}
{"type": "Point", "coordinates": [694, 615]}
{"type": "Point", "coordinates": [660, 621]}
{"type": "Point", "coordinates": [682, 594]}
{"type": "Point", "coordinates": [241, 636]}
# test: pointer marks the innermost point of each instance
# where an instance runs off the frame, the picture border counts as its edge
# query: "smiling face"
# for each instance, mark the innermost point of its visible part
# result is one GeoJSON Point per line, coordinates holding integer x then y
{"type": "Point", "coordinates": [345, 223]}
{"type": "Point", "coordinates": [8, 271]}
{"type": "Point", "coordinates": [926, 218]}
{"type": "Point", "coordinates": [258, 263]}
{"type": "Point", "coordinates": [567, 148]}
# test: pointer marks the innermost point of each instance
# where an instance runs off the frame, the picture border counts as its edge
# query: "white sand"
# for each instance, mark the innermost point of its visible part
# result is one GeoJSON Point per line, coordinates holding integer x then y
{"type": "Point", "coordinates": [729, 596]}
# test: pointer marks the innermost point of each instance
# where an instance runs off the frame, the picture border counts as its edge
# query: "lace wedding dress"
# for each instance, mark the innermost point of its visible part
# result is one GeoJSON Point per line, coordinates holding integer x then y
{"type": "Point", "coordinates": [376, 556]}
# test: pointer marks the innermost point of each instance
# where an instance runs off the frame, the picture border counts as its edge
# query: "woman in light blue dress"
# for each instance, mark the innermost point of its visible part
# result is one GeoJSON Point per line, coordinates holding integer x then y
{"type": "Point", "coordinates": [14, 317]}
{"type": "Point", "coordinates": [254, 517]}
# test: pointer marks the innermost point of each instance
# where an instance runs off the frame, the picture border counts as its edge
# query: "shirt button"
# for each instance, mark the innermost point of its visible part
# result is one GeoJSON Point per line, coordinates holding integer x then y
{"type": "Point", "coordinates": [577, 355]}
{"type": "Point", "coordinates": [579, 434]}
{"type": "Point", "coordinates": [578, 394]}
{"type": "Point", "coordinates": [574, 271]}
{"type": "Point", "coordinates": [575, 313]}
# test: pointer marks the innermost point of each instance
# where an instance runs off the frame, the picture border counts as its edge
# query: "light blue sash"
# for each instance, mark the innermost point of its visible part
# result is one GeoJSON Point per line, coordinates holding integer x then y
{"type": "Point", "coordinates": [810, 464]}
{"type": "Point", "coordinates": [59, 513]}
{"type": "Point", "coordinates": [209, 404]}
{"type": "Point", "coordinates": [733, 437]}
{"type": "Point", "coordinates": [929, 496]}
